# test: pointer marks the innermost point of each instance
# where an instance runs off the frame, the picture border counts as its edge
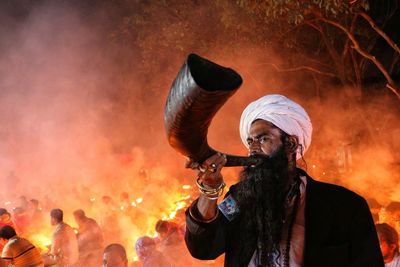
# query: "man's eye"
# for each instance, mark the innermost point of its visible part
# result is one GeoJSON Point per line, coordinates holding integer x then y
{"type": "Point", "coordinates": [263, 139]}
{"type": "Point", "coordinates": [250, 141]}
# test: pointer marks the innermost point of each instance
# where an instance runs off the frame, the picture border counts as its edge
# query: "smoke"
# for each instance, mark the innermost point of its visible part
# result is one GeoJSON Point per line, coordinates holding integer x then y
{"type": "Point", "coordinates": [61, 142]}
{"type": "Point", "coordinates": [81, 109]}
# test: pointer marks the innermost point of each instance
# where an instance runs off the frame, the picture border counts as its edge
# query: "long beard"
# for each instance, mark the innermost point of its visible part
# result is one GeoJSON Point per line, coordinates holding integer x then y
{"type": "Point", "coordinates": [261, 196]}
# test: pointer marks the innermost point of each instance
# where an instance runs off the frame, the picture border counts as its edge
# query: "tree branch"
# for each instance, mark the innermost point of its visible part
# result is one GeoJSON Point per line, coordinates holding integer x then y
{"type": "Point", "coordinates": [346, 45]}
{"type": "Point", "coordinates": [306, 68]}
{"type": "Point", "coordinates": [356, 70]}
{"type": "Point", "coordinates": [379, 31]}
{"type": "Point", "coordinates": [337, 60]}
{"type": "Point", "coordinates": [365, 54]}
{"type": "Point", "coordinates": [391, 88]}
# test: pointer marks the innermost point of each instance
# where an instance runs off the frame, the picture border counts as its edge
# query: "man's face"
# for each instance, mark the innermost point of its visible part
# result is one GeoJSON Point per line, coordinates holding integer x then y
{"type": "Point", "coordinates": [264, 138]}
{"type": "Point", "coordinates": [163, 234]}
{"type": "Point", "coordinates": [261, 193]}
{"type": "Point", "coordinates": [113, 259]}
{"type": "Point", "coordinates": [141, 251]}
{"type": "Point", "coordinates": [386, 249]}
{"type": "Point", "coordinates": [53, 221]}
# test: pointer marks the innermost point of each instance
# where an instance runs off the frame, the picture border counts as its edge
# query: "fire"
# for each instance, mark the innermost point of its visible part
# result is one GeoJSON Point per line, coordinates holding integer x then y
{"type": "Point", "coordinates": [134, 210]}
{"type": "Point", "coordinates": [151, 211]}
{"type": "Point", "coordinates": [41, 240]}
{"type": "Point", "coordinates": [179, 205]}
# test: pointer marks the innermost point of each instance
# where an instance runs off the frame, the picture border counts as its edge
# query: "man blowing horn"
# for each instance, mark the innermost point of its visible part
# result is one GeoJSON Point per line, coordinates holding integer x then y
{"type": "Point", "coordinates": [277, 215]}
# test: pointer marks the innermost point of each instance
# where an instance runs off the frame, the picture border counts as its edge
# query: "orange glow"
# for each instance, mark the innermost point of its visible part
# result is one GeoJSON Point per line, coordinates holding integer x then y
{"type": "Point", "coordinates": [41, 240]}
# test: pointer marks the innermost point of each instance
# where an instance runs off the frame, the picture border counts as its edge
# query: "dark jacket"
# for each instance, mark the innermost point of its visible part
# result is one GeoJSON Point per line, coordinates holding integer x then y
{"type": "Point", "coordinates": [339, 232]}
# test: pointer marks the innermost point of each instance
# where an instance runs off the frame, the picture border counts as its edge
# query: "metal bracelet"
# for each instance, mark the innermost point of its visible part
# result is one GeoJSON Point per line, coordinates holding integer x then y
{"type": "Point", "coordinates": [198, 219]}
{"type": "Point", "coordinates": [210, 193]}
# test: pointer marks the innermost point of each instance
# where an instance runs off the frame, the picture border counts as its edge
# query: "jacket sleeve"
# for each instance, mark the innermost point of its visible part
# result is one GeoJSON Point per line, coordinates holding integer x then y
{"type": "Point", "coordinates": [364, 247]}
{"type": "Point", "coordinates": [205, 241]}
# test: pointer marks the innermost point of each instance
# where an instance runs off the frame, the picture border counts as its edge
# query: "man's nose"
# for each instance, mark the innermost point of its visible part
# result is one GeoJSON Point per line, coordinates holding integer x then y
{"type": "Point", "coordinates": [254, 149]}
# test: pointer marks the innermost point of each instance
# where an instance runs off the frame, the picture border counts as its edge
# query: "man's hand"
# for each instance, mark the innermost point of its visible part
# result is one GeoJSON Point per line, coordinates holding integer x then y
{"type": "Point", "coordinates": [209, 171]}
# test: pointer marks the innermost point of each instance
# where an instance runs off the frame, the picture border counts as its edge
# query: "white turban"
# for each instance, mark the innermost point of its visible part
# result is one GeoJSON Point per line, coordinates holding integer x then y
{"type": "Point", "coordinates": [284, 113]}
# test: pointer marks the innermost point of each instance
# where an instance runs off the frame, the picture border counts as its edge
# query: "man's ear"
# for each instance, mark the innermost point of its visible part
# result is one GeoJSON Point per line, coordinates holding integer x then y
{"type": "Point", "coordinates": [291, 144]}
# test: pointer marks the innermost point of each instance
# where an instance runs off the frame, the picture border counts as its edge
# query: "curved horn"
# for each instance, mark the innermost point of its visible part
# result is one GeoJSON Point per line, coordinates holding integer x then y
{"type": "Point", "coordinates": [198, 92]}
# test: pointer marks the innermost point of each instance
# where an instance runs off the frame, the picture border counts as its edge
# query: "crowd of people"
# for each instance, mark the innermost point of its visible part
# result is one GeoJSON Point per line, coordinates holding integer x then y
{"type": "Point", "coordinates": [87, 242]}
{"type": "Point", "coordinates": [87, 245]}
{"type": "Point", "coordinates": [98, 242]}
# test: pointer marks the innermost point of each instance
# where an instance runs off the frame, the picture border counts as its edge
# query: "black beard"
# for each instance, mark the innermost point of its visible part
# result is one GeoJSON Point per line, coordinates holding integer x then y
{"type": "Point", "coordinates": [261, 195]}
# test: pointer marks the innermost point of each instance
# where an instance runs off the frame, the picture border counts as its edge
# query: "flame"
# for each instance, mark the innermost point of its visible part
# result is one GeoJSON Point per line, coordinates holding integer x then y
{"type": "Point", "coordinates": [135, 218]}
{"type": "Point", "coordinates": [41, 240]}
{"type": "Point", "coordinates": [180, 205]}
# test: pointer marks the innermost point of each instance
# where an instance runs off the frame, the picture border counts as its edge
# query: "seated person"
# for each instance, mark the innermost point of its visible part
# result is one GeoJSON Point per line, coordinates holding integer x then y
{"type": "Point", "coordinates": [148, 254]}
{"type": "Point", "coordinates": [389, 243]}
{"type": "Point", "coordinates": [18, 251]}
{"type": "Point", "coordinates": [64, 245]}
{"type": "Point", "coordinates": [90, 239]}
{"type": "Point", "coordinates": [172, 245]}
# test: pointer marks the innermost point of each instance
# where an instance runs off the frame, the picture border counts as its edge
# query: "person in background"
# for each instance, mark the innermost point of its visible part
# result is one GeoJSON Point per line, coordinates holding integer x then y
{"type": "Point", "coordinates": [36, 215]}
{"type": "Point", "coordinates": [90, 239]}
{"type": "Point", "coordinates": [17, 251]}
{"type": "Point", "coordinates": [109, 220]}
{"type": "Point", "coordinates": [114, 255]}
{"type": "Point", "coordinates": [168, 232]}
{"type": "Point", "coordinates": [21, 220]}
{"type": "Point", "coordinates": [35, 210]}
{"type": "Point", "coordinates": [23, 203]}
{"type": "Point", "coordinates": [64, 245]}
{"type": "Point", "coordinates": [149, 255]}
{"type": "Point", "coordinates": [389, 243]}
{"type": "Point", "coordinates": [171, 243]}
{"type": "Point", "coordinates": [5, 219]}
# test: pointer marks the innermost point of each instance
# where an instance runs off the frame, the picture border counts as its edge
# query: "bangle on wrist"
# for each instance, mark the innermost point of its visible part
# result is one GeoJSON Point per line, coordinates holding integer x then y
{"type": "Point", "coordinates": [195, 214]}
{"type": "Point", "coordinates": [210, 193]}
